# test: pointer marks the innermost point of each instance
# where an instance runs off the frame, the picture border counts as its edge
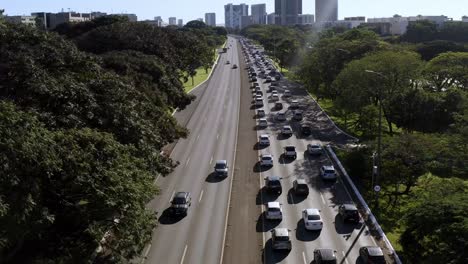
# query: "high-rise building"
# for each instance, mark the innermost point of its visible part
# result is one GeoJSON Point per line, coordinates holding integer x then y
{"type": "Point", "coordinates": [326, 10]}
{"type": "Point", "coordinates": [288, 11]}
{"type": "Point", "coordinates": [245, 21]}
{"type": "Point", "coordinates": [259, 14]}
{"type": "Point", "coordinates": [464, 18]}
{"type": "Point", "coordinates": [271, 19]}
{"type": "Point", "coordinates": [210, 19]}
{"type": "Point", "coordinates": [306, 19]}
{"type": "Point", "coordinates": [180, 22]}
{"type": "Point", "coordinates": [172, 21]}
{"type": "Point", "coordinates": [233, 15]}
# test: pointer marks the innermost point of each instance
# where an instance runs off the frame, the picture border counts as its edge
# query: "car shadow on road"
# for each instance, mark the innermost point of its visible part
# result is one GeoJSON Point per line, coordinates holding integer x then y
{"type": "Point", "coordinates": [213, 178]}
{"type": "Point", "coordinates": [265, 225]}
{"type": "Point", "coordinates": [257, 146]}
{"type": "Point", "coordinates": [293, 198]}
{"type": "Point", "coordinates": [305, 235]}
{"type": "Point", "coordinates": [282, 137]}
{"type": "Point", "coordinates": [284, 160]}
{"type": "Point", "coordinates": [345, 228]}
{"type": "Point", "coordinates": [264, 197]}
{"type": "Point", "coordinates": [270, 256]}
{"type": "Point", "coordinates": [167, 218]}
{"type": "Point", "coordinates": [258, 168]}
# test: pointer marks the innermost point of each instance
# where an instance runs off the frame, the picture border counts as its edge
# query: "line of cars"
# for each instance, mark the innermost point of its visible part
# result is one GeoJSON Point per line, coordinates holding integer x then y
{"type": "Point", "coordinates": [258, 66]}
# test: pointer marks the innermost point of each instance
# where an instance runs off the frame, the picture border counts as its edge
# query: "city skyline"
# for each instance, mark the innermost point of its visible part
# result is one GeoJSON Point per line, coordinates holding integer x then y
{"type": "Point", "coordinates": [146, 9]}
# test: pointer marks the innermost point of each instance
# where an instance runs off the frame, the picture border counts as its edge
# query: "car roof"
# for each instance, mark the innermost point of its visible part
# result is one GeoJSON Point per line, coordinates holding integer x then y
{"type": "Point", "coordinates": [327, 253]}
{"type": "Point", "coordinates": [281, 231]}
{"type": "Point", "coordinates": [287, 127]}
{"type": "Point", "coordinates": [301, 181]}
{"type": "Point", "coordinates": [273, 205]}
{"type": "Point", "coordinates": [181, 194]}
{"type": "Point", "coordinates": [350, 206]}
{"type": "Point", "coordinates": [221, 162]}
{"type": "Point", "coordinates": [263, 119]}
{"type": "Point", "coordinates": [312, 211]}
{"type": "Point", "coordinates": [264, 136]}
{"type": "Point", "coordinates": [374, 251]}
{"type": "Point", "coordinates": [328, 167]}
{"type": "Point", "coordinates": [267, 155]}
{"type": "Point", "coordinates": [273, 178]}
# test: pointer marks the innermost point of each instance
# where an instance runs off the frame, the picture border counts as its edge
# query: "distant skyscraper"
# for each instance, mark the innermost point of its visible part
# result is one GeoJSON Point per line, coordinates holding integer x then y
{"type": "Point", "coordinates": [210, 19]}
{"type": "Point", "coordinates": [306, 19]}
{"type": "Point", "coordinates": [288, 11]}
{"type": "Point", "coordinates": [172, 21]}
{"type": "Point", "coordinates": [271, 19]}
{"type": "Point", "coordinates": [326, 10]}
{"type": "Point", "coordinates": [180, 22]}
{"type": "Point", "coordinates": [259, 14]}
{"type": "Point", "coordinates": [233, 15]}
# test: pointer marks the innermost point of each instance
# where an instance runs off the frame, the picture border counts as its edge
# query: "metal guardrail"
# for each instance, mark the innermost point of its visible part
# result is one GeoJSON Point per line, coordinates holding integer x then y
{"type": "Point", "coordinates": [364, 205]}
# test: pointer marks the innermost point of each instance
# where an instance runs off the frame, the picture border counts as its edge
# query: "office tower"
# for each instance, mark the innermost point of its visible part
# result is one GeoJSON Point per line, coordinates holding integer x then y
{"type": "Point", "coordinates": [180, 22]}
{"type": "Point", "coordinates": [259, 14]}
{"type": "Point", "coordinates": [233, 15]}
{"type": "Point", "coordinates": [326, 10]}
{"type": "Point", "coordinates": [172, 21]}
{"type": "Point", "coordinates": [271, 18]}
{"type": "Point", "coordinates": [306, 19]}
{"type": "Point", "coordinates": [288, 11]}
{"type": "Point", "coordinates": [210, 19]}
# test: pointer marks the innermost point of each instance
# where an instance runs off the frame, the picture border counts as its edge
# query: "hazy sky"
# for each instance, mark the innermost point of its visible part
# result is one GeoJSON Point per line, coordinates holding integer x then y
{"type": "Point", "coordinates": [193, 9]}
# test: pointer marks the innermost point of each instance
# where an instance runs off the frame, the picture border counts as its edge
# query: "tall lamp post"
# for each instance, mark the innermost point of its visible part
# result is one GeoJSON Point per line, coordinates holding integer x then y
{"type": "Point", "coordinates": [377, 168]}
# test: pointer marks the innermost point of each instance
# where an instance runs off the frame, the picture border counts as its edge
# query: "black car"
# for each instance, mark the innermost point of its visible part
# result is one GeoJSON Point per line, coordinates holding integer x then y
{"type": "Point", "coordinates": [306, 130]}
{"type": "Point", "coordinates": [300, 187]}
{"type": "Point", "coordinates": [180, 203]}
{"type": "Point", "coordinates": [278, 105]}
{"type": "Point", "coordinates": [273, 184]}
{"type": "Point", "coordinates": [349, 212]}
{"type": "Point", "coordinates": [324, 256]}
{"type": "Point", "coordinates": [372, 255]}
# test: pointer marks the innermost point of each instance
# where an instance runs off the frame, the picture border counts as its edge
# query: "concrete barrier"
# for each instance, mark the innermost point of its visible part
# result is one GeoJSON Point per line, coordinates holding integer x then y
{"type": "Point", "coordinates": [371, 217]}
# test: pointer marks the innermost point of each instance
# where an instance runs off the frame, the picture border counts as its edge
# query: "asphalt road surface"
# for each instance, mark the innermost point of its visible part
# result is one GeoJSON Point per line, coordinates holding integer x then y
{"type": "Point", "coordinates": [345, 238]}
{"type": "Point", "coordinates": [198, 237]}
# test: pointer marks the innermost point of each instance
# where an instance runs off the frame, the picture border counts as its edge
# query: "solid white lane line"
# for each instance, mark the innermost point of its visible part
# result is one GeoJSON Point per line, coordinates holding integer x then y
{"type": "Point", "coordinates": [304, 258]}
{"type": "Point", "coordinates": [201, 196]}
{"type": "Point", "coordinates": [173, 192]}
{"type": "Point", "coordinates": [188, 160]}
{"type": "Point", "coordinates": [211, 160]}
{"type": "Point", "coordinates": [323, 199]}
{"type": "Point", "coordinates": [183, 255]}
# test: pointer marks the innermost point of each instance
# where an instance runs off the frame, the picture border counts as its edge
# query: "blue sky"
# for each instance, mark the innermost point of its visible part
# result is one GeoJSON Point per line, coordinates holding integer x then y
{"type": "Point", "coordinates": [192, 9]}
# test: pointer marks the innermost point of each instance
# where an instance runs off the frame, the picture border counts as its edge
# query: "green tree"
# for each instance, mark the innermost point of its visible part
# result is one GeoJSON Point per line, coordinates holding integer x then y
{"type": "Point", "coordinates": [420, 31]}
{"type": "Point", "coordinates": [447, 70]}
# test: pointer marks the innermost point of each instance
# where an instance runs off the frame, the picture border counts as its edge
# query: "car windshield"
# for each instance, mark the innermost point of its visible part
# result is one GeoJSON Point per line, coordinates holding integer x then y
{"type": "Point", "coordinates": [266, 158]}
{"type": "Point", "coordinates": [313, 217]}
{"type": "Point", "coordinates": [220, 166]}
{"type": "Point", "coordinates": [274, 209]}
{"type": "Point", "coordinates": [290, 148]}
{"type": "Point", "coordinates": [282, 238]}
{"type": "Point", "coordinates": [315, 146]}
{"type": "Point", "coordinates": [178, 200]}
{"type": "Point", "coordinates": [329, 171]}
{"type": "Point", "coordinates": [274, 183]}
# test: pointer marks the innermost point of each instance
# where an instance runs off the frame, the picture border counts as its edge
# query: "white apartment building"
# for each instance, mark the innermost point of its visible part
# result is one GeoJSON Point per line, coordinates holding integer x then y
{"type": "Point", "coordinates": [399, 24]}
{"type": "Point", "coordinates": [210, 19]}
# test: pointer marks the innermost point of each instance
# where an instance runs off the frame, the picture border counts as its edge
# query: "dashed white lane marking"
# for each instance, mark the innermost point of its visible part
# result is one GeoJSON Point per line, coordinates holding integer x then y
{"type": "Point", "coordinates": [183, 255]}
{"type": "Point", "coordinates": [173, 192]}
{"type": "Point", "coordinates": [323, 199]}
{"type": "Point", "coordinates": [187, 162]}
{"type": "Point", "coordinates": [344, 255]}
{"type": "Point", "coordinates": [198, 137]}
{"type": "Point", "coordinates": [211, 160]}
{"type": "Point", "coordinates": [304, 258]}
{"type": "Point", "coordinates": [201, 196]}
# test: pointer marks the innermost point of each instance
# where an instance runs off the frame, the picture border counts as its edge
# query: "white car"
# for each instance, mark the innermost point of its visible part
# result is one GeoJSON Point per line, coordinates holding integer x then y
{"type": "Point", "coordinates": [294, 104]}
{"type": "Point", "coordinates": [328, 172]}
{"type": "Point", "coordinates": [314, 149]}
{"type": "Point", "coordinates": [312, 219]}
{"type": "Point", "coordinates": [274, 211]}
{"type": "Point", "coordinates": [281, 116]}
{"type": "Point", "coordinates": [266, 160]}
{"type": "Point", "coordinates": [264, 140]}
{"type": "Point", "coordinates": [262, 122]}
{"type": "Point", "coordinates": [286, 131]}
{"type": "Point", "coordinates": [287, 93]}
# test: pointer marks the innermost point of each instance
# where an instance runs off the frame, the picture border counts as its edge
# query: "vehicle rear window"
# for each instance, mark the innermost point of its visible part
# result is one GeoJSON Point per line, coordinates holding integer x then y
{"type": "Point", "coordinates": [329, 171]}
{"type": "Point", "coordinates": [274, 209]}
{"type": "Point", "coordinates": [220, 166]}
{"type": "Point", "coordinates": [282, 238]}
{"type": "Point", "coordinates": [274, 183]}
{"type": "Point", "coordinates": [178, 200]}
{"type": "Point", "coordinates": [290, 148]}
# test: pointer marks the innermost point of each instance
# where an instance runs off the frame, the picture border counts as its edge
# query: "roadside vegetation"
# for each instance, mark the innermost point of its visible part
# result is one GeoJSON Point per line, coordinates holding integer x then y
{"type": "Point", "coordinates": [421, 81]}
{"type": "Point", "coordinates": [84, 114]}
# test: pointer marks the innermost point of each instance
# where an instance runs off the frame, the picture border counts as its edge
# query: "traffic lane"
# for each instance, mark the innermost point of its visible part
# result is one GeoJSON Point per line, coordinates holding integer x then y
{"type": "Point", "coordinates": [195, 185]}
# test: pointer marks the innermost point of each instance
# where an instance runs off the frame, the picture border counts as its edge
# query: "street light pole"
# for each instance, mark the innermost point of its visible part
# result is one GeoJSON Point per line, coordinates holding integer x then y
{"type": "Point", "coordinates": [376, 187]}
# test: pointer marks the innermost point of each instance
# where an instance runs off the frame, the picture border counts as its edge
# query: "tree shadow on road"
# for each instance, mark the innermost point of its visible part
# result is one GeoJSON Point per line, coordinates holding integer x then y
{"type": "Point", "coordinates": [305, 235]}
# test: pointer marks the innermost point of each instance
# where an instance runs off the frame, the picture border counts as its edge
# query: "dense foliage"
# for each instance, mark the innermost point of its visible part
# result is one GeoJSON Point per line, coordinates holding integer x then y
{"type": "Point", "coordinates": [424, 30]}
{"type": "Point", "coordinates": [83, 119]}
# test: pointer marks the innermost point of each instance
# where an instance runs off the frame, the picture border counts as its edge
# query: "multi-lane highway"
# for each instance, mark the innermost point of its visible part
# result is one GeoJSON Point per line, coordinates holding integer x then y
{"type": "Point", "coordinates": [198, 237]}
{"type": "Point", "coordinates": [345, 238]}
{"type": "Point", "coordinates": [229, 227]}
